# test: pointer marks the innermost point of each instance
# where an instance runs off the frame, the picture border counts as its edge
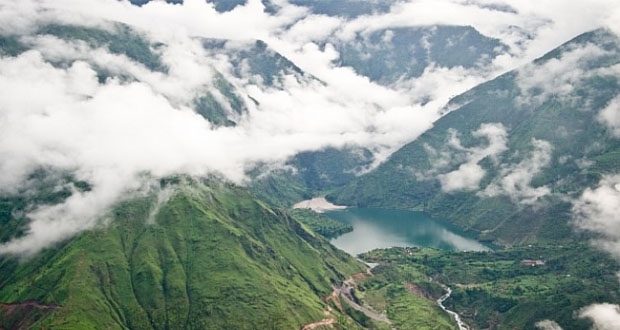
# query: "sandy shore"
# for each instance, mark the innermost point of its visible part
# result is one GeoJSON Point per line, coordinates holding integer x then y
{"type": "Point", "coordinates": [318, 204]}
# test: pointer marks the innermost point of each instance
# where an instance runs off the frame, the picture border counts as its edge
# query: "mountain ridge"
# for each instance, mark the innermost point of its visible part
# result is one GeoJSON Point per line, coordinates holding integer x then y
{"type": "Point", "coordinates": [210, 256]}
{"type": "Point", "coordinates": [494, 208]}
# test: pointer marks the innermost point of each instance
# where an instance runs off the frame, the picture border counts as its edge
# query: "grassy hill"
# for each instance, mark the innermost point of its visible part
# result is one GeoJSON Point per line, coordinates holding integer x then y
{"type": "Point", "coordinates": [551, 144]}
{"type": "Point", "coordinates": [210, 257]}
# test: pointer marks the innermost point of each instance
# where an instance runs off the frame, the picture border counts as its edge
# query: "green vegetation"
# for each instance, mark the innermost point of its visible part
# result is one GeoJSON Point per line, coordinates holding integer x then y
{"type": "Point", "coordinates": [280, 188]}
{"type": "Point", "coordinates": [316, 172]}
{"type": "Point", "coordinates": [214, 110]}
{"type": "Point", "coordinates": [582, 151]}
{"type": "Point", "coordinates": [406, 296]}
{"type": "Point", "coordinates": [256, 60]}
{"type": "Point", "coordinates": [321, 224]}
{"type": "Point", "coordinates": [42, 188]}
{"type": "Point", "coordinates": [121, 40]}
{"type": "Point", "coordinates": [345, 8]}
{"type": "Point", "coordinates": [212, 257]}
{"type": "Point", "coordinates": [495, 289]}
{"type": "Point", "coordinates": [405, 53]}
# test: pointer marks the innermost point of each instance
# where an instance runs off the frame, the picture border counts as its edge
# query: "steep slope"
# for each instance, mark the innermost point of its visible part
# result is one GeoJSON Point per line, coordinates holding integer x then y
{"type": "Point", "coordinates": [220, 103]}
{"type": "Point", "coordinates": [388, 56]}
{"type": "Point", "coordinates": [345, 8]}
{"type": "Point", "coordinates": [309, 174]}
{"type": "Point", "coordinates": [254, 61]}
{"type": "Point", "coordinates": [514, 151]}
{"type": "Point", "coordinates": [121, 39]}
{"type": "Point", "coordinates": [195, 255]}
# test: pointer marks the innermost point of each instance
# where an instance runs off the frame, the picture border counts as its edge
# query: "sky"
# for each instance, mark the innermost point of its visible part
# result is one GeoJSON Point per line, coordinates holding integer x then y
{"type": "Point", "coordinates": [111, 133]}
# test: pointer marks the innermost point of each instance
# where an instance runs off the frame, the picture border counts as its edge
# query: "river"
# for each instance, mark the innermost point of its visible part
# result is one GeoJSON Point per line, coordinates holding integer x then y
{"type": "Point", "coordinates": [382, 228]}
{"type": "Point", "coordinates": [455, 315]}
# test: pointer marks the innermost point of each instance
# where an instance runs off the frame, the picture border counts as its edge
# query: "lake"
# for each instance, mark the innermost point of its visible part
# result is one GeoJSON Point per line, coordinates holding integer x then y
{"type": "Point", "coordinates": [381, 228]}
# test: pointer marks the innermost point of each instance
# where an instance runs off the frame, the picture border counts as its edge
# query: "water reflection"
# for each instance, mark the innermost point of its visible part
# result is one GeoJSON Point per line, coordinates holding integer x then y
{"type": "Point", "coordinates": [378, 228]}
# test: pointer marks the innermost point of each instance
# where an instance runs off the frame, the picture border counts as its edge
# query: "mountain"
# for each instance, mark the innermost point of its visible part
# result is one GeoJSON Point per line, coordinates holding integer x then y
{"type": "Point", "coordinates": [121, 40]}
{"type": "Point", "coordinates": [391, 55]}
{"type": "Point", "coordinates": [221, 104]}
{"type": "Point", "coordinates": [343, 8]}
{"type": "Point", "coordinates": [143, 2]}
{"type": "Point", "coordinates": [510, 154]}
{"type": "Point", "coordinates": [346, 8]}
{"type": "Point", "coordinates": [308, 174]}
{"type": "Point", "coordinates": [195, 254]}
{"type": "Point", "coordinates": [191, 253]}
{"type": "Point", "coordinates": [255, 61]}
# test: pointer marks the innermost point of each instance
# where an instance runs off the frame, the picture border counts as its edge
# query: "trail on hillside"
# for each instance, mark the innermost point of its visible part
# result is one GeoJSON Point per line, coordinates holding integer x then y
{"type": "Point", "coordinates": [344, 291]}
{"type": "Point", "coordinates": [323, 322]}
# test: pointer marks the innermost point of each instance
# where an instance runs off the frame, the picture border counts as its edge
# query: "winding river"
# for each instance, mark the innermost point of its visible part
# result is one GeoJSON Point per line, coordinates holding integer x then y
{"type": "Point", "coordinates": [382, 228]}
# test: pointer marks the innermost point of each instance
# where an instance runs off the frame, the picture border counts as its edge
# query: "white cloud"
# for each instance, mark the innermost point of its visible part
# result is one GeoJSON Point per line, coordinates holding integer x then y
{"type": "Point", "coordinates": [111, 133]}
{"type": "Point", "coordinates": [528, 30]}
{"type": "Point", "coordinates": [597, 211]}
{"type": "Point", "coordinates": [548, 325]}
{"type": "Point", "coordinates": [515, 180]}
{"type": "Point", "coordinates": [469, 174]}
{"type": "Point", "coordinates": [466, 177]}
{"type": "Point", "coordinates": [313, 28]}
{"type": "Point", "coordinates": [610, 116]}
{"type": "Point", "coordinates": [604, 316]}
{"type": "Point", "coordinates": [556, 77]}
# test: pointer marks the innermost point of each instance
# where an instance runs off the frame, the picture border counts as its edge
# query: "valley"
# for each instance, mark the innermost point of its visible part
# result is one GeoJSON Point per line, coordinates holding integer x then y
{"type": "Point", "coordinates": [498, 289]}
{"type": "Point", "coordinates": [309, 165]}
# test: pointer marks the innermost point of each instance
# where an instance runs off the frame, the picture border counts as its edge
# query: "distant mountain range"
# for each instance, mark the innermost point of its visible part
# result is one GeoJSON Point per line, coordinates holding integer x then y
{"type": "Point", "coordinates": [504, 163]}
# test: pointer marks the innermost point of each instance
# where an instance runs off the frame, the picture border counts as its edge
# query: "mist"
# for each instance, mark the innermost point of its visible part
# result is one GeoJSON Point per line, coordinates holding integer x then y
{"type": "Point", "coordinates": [57, 112]}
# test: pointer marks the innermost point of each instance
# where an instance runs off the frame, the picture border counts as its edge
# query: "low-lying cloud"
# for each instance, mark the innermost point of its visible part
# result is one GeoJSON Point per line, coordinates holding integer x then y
{"type": "Point", "coordinates": [548, 325]}
{"type": "Point", "coordinates": [111, 133]}
{"type": "Point", "coordinates": [604, 316]}
{"type": "Point", "coordinates": [139, 124]}
{"type": "Point", "coordinates": [469, 174]}
{"type": "Point", "coordinates": [610, 116]}
{"type": "Point", "coordinates": [556, 77]}
{"type": "Point", "coordinates": [597, 211]}
{"type": "Point", "coordinates": [515, 180]}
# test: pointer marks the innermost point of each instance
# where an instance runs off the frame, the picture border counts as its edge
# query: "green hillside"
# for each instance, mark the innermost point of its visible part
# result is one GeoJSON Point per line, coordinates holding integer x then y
{"type": "Point", "coordinates": [496, 290]}
{"type": "Point", "coordinates": [391, 55]}
{"type": "Point", "coordinates": [554, 147]}
{"type": "Point", "coordinates": [210, 257]}
{"type": "Point", "coordinates": [315, 172]}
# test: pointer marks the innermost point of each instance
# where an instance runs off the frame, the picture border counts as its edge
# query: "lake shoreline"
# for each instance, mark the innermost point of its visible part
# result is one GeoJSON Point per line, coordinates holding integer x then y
{"type": "Point", "coordinates": [385, 228]}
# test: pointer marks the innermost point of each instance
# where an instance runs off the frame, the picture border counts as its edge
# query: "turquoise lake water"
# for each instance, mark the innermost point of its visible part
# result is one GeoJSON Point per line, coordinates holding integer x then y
{"type": "Point", "coordinates": [381, 228]}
